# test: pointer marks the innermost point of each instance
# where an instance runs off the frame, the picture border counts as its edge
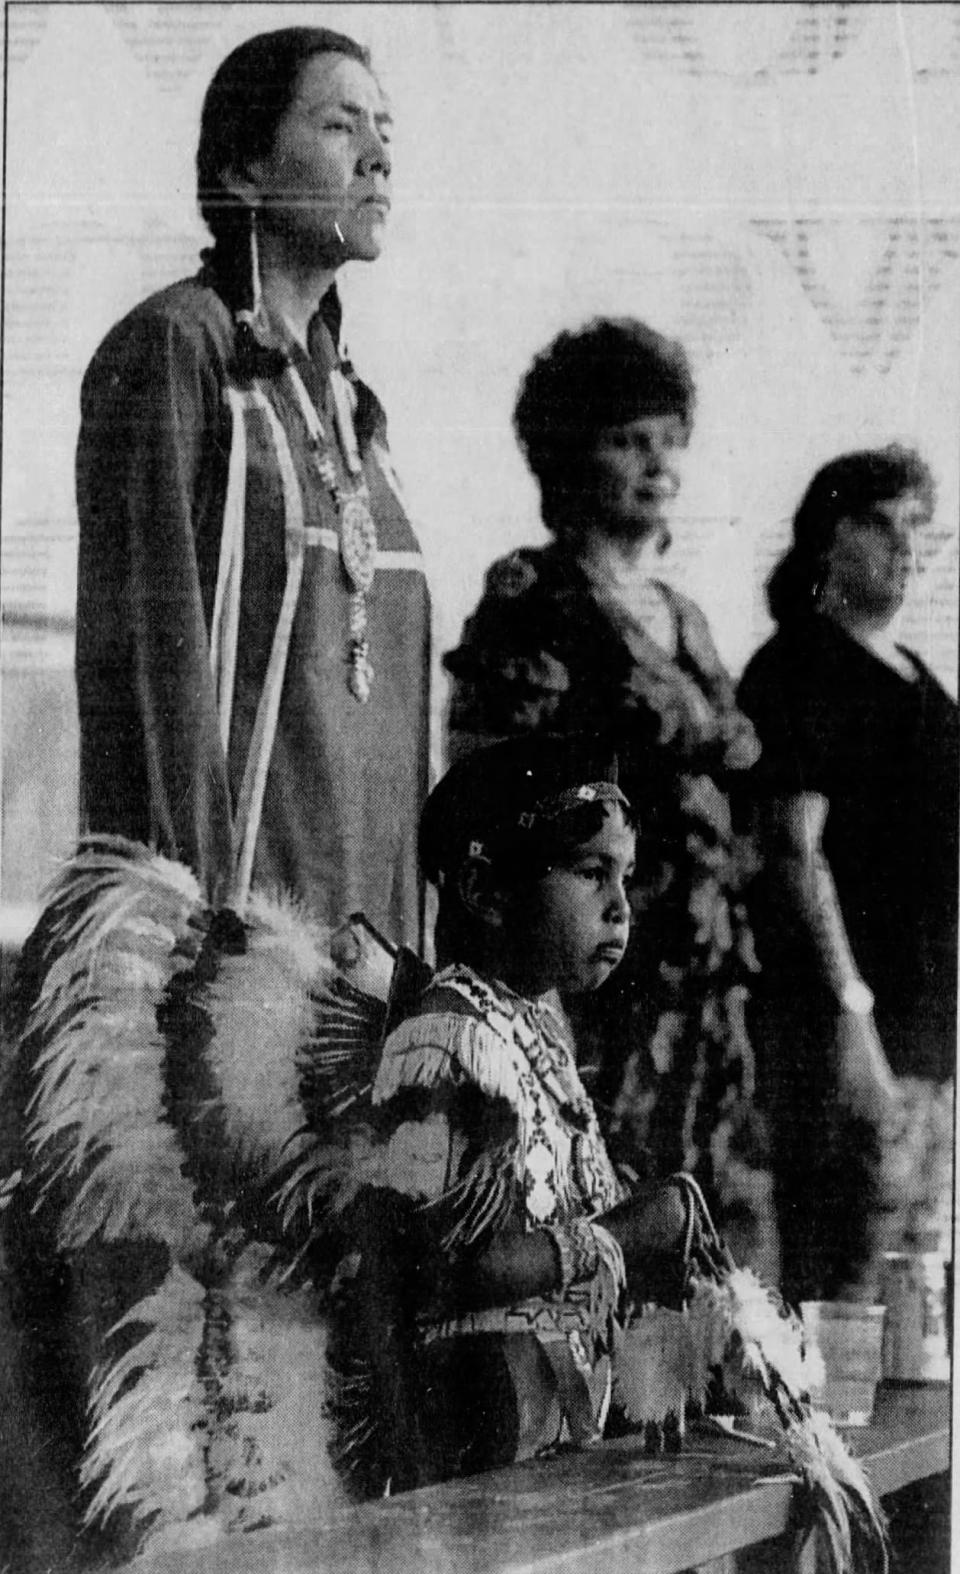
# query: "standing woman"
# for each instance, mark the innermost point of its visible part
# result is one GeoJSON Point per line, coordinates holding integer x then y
{"type": "Point", "coordinates": [856, 911]}
{"type": "Point", "coordinates": [252, 619]}
{"type": "Point", "coordinates": [252, 655]}
{"type": "Point", "coordinates": [585, 634]}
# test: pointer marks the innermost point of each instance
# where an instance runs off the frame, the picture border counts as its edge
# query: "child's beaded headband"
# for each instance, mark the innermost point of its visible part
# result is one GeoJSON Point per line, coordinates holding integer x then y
{"type": "Point", "coordinates": [552, 808]}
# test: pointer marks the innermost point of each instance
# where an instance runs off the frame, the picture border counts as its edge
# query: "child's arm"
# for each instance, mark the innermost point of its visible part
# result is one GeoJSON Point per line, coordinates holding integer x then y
{"type": "Point", "coordinates": [649, 1227]}
{"type": "Point", "coordinates": [453, 1153]}
{"type": "Point", "coordinates": [516, 1264]}
{"type": "Point", "coordinates": [512, 1268]}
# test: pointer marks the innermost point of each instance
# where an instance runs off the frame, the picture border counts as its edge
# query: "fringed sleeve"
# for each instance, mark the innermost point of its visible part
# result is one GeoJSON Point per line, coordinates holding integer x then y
{"type": "Point", "coordinates": [442, 1178]}
{"type": "Point", "coordinates": [448, 1092]}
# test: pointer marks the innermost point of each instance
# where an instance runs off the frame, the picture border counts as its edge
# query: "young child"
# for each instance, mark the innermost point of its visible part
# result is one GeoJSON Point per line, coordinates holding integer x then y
{"type": "Point", "coordinates": [498, 1240]}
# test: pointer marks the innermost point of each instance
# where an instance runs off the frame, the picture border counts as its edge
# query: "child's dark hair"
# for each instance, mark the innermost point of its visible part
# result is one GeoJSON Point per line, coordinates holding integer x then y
{"type": "Point", "coordinates": [519, 808]}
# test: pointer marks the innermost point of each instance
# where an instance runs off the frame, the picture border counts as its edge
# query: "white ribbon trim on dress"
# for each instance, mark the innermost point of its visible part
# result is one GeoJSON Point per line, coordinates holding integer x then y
{"type": "Point", "coordinates": [253, 785]}
{"type": "Point", "coordinates": [225, 624]}
{"type": "Point", "coordinates": [226, 605]}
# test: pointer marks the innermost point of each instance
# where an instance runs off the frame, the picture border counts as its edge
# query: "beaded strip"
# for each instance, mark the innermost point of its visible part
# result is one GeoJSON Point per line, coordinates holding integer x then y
{"type": "Point", "coordinates": [577, 1251]}
{"type": "Point", "coordinates": [358, 531]}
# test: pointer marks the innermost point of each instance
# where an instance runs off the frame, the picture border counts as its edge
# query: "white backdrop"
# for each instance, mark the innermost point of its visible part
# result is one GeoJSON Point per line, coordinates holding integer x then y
{"type": "Point", "coordinates": [776, 184]}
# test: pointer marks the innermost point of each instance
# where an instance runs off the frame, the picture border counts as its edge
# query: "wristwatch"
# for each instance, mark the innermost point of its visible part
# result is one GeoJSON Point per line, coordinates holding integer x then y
{"type": "Point", "coordinates": [857, 997]}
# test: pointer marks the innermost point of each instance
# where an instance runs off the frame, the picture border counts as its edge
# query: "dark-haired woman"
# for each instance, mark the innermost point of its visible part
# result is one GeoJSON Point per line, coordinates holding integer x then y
{"type": "Point", "coordinates": [856, 800]}
{"type": "Point", "coordinates": [584, 633]}
{"type": "Point", "coordinates": [252, 626]}
{"type": "Point", "coordinates": [252, 642]}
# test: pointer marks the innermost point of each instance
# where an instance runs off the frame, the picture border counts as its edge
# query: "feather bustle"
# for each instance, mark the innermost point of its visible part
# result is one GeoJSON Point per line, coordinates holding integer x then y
{"type": "Point", "coordinates": [261, 1014]}
{"type": "Point", "coordinates": [97, 1106]}
{"type": "Point", "coordinates": [144, 1450]}
{"type": "Point", "coordinates": [213, 1417]}
{"type": "Point", "coordinates": [273, 1462]}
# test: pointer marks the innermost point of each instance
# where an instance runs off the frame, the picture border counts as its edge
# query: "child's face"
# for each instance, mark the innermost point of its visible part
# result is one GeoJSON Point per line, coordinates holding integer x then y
{"type": "Point", "coordinates": [572, 924]}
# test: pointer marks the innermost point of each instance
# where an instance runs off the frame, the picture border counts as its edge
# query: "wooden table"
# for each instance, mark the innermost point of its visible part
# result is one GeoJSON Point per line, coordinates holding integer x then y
{"type": "Point", "coordinates": [608, 1510]}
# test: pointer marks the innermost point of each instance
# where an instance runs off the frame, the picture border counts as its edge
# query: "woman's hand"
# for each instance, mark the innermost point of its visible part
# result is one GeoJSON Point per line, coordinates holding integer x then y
{"type": "Point", "coordinates": [792, 834]}
{"type": "Point", "coordinates": [865, 1084]}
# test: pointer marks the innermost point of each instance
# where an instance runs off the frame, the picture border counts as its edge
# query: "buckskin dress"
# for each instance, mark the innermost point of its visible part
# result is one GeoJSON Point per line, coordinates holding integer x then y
{"type": "Point", "coordinates": [214, 613]}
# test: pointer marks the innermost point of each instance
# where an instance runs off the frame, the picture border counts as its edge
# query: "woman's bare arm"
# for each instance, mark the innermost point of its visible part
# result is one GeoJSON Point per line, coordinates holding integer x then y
{"type": "Point", "coordinates": [791, 836]}
{"type": "Point", "coordinates": [791, 833]}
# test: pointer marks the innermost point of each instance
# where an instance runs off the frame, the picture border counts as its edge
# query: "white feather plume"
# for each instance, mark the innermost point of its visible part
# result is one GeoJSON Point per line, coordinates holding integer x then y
{"type": "Point", "coordinates": [146, 1437]}
{"type": "Point", "coordinates": [120, 924]}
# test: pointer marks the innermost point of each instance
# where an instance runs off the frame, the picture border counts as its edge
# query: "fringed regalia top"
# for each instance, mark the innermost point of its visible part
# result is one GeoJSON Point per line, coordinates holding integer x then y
{"type": "Point", "coordinates": [484, 1127]}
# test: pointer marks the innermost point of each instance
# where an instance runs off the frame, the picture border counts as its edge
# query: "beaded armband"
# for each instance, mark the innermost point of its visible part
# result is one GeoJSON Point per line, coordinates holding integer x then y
{"type": "Point", "coordinates": [578, 1253]}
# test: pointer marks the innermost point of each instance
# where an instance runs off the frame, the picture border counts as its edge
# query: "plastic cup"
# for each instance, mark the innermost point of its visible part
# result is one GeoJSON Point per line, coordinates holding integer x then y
{"type": "Point", "coordinates": [849, 1337]}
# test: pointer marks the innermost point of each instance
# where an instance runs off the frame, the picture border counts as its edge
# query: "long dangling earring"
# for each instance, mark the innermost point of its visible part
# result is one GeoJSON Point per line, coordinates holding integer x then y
{"type": "Point", "coordinates": [665, 537]}
{"type": "Point", "coordinates": [256, 284]}
{"type": "Point", "coordinates": [252, 315]}
{"type": "Point", "coordinates": [257, 355]}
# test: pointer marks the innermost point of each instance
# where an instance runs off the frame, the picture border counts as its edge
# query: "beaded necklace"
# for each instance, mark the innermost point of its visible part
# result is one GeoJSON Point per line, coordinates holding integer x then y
{"type": "Point", "coordinates": [357, 529]}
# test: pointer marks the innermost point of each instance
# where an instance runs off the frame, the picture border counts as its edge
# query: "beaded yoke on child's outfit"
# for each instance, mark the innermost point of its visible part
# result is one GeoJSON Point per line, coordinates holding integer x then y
{"type": "Point", "coordinates": [486, 1127]}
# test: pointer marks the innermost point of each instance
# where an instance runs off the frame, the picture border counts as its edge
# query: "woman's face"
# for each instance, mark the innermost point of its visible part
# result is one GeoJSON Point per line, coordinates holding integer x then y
{"type": "Point", "coordinates": [631, 475]}
{"type": "Point", "coordinates": [329, 167]}
{"type": "Point", "coordinates": [872, 555]}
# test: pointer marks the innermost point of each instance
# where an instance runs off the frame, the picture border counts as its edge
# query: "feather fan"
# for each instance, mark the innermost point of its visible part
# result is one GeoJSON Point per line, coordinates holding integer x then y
{"type": "Point", "coordinates": [733, 1328]}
